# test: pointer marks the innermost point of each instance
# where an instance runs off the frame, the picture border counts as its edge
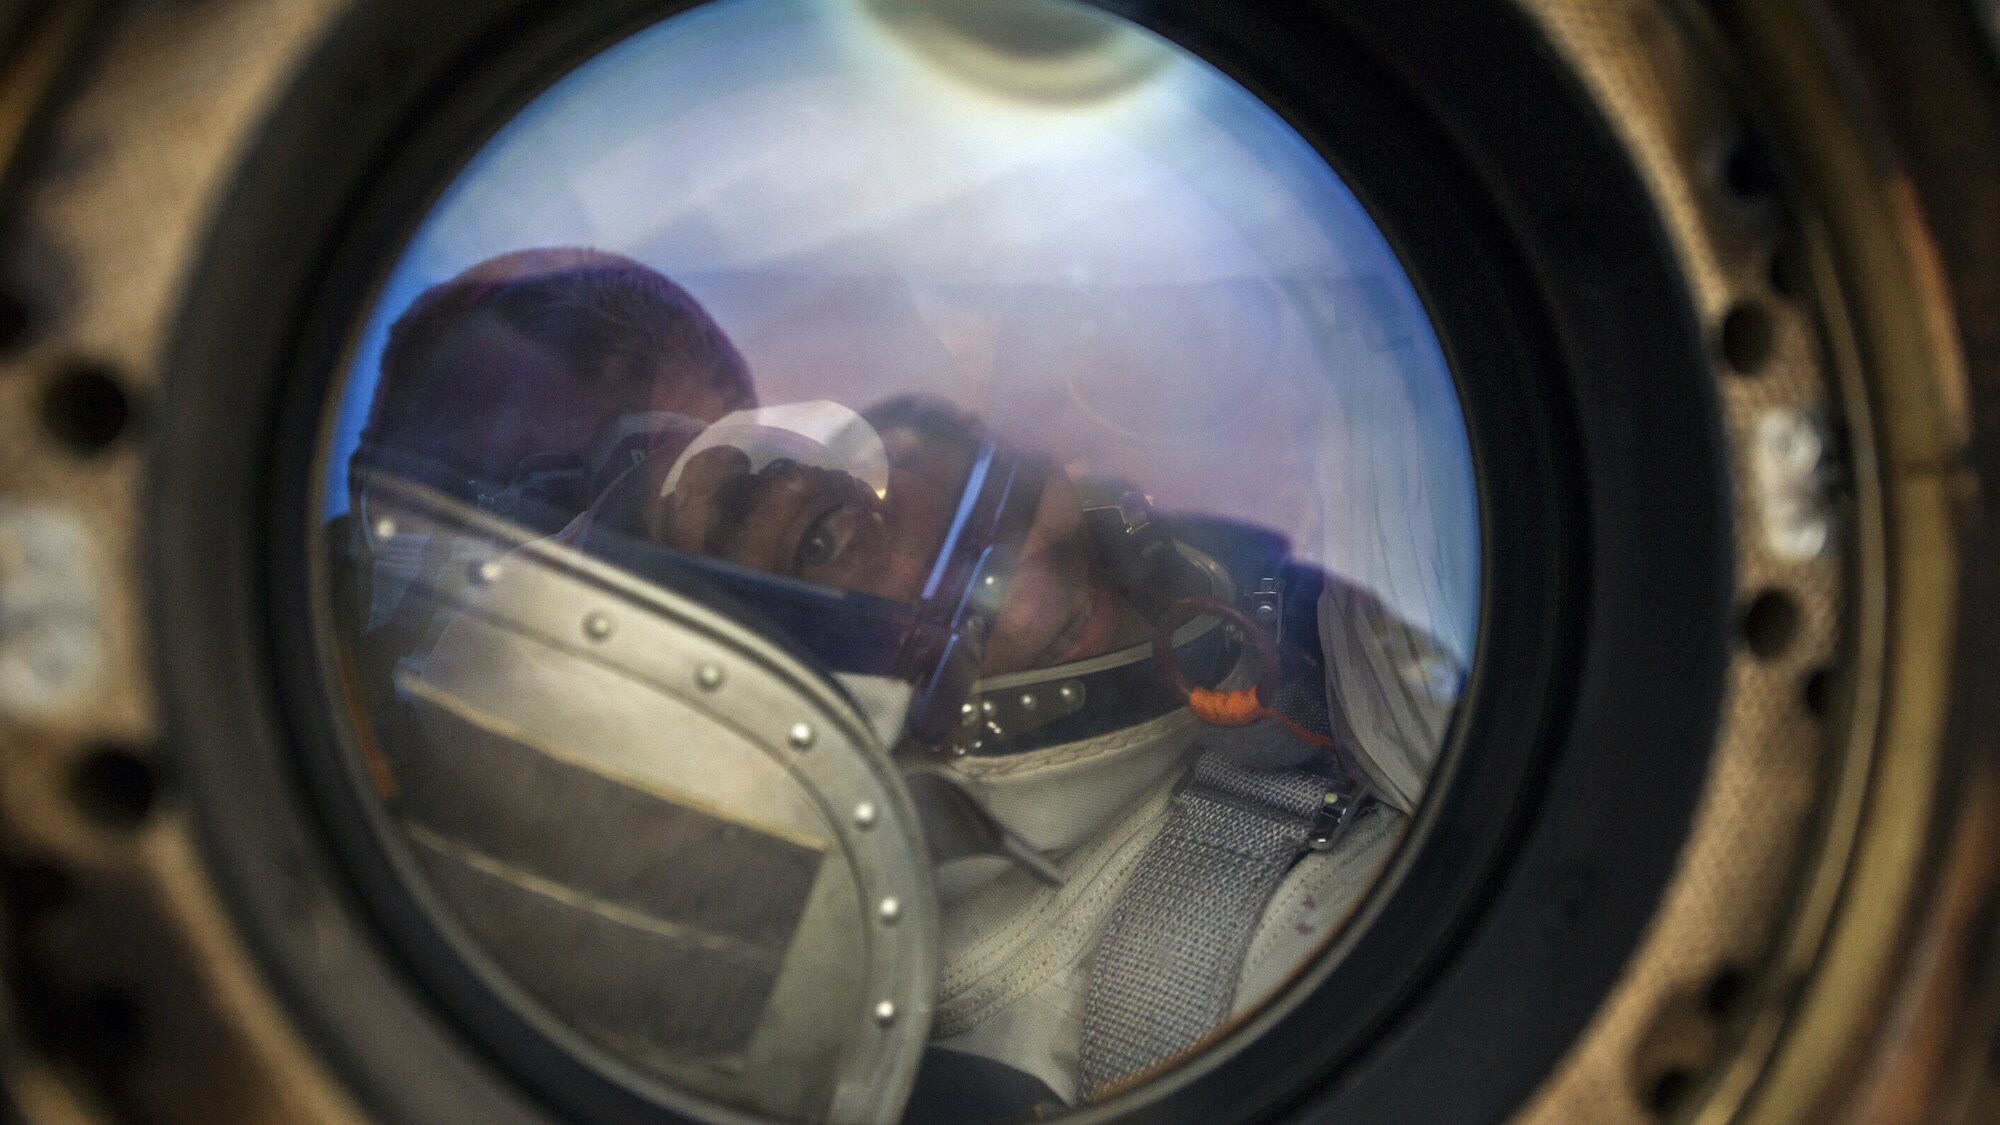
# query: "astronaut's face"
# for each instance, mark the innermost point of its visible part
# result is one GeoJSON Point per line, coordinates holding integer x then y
{"type": "Point", "coordinates": [815, 524]}
{"type": "Point", "coordinates": [822, 525]}
{"type": "Point", "coordinates": [1059, 606]}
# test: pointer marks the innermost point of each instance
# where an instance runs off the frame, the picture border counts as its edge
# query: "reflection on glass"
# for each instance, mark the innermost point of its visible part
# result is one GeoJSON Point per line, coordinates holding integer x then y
{"type": "Point", "coordinates": [972, 634]}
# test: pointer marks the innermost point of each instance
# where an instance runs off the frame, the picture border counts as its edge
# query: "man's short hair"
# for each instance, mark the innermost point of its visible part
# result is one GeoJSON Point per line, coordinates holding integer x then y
{"type": "Point", "coordinates": [605, 317]}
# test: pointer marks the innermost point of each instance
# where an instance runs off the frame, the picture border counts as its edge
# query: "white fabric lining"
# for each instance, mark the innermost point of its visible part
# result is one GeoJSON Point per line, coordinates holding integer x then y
{"type": "Point", "coordinates": [1020, 933]}
{"type": "Point", "coordinates": [1313, 904]}
{"type": "Point", "coordinates": [1092, 751]}
{"type": "Point", "coordinates": [1063, 797]}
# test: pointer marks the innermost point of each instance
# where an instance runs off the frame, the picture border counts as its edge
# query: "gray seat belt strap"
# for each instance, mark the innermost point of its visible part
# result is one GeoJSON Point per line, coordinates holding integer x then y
{"type": "Point", "coordinates": [1166, 969]}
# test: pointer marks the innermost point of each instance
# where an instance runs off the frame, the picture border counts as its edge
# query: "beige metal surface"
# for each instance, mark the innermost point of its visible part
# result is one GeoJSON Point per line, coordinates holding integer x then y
{"type": "Point", "coordinates": [171, 1015]}
{"type": "Point", "coordinates": [1805, 892]}
{"type": "Point", "coordinates": [1769, 987]}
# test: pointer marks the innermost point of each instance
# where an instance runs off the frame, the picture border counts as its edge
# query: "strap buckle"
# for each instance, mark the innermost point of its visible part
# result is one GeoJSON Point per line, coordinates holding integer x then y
{"type": "Point", "coordinates": [1337, 814]}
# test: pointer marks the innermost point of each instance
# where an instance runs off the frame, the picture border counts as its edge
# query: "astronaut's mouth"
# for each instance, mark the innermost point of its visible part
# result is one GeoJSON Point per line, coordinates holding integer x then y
{"type": "Point", "coordinates": [1091, 629]}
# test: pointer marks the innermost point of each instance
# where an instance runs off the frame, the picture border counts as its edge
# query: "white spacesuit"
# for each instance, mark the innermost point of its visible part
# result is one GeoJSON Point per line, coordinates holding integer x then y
{"type": "Point", "coordinates": [1019, 955]}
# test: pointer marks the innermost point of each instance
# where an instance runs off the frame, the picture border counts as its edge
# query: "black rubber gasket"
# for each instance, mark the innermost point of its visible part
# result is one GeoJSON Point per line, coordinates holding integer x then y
{"type": "Point", "coordinates": [1574, 767]}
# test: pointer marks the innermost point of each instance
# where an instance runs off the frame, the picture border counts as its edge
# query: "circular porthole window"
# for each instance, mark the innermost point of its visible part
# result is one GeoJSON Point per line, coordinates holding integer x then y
{"type": "Point", "coordinates": [950, 562]}
{"type": "Point", "coordinates": [896, 559]}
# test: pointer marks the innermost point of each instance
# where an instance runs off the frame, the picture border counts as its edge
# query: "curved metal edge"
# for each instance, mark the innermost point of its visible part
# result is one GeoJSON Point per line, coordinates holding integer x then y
{"type": "Point", "coordinates": [1909, 862]}
{"type": "Point", "coordinates": [662, 638]}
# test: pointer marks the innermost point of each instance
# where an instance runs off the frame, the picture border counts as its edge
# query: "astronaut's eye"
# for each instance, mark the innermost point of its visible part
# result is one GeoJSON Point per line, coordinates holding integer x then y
{"type": "Point", "coordinates": [828, 536]}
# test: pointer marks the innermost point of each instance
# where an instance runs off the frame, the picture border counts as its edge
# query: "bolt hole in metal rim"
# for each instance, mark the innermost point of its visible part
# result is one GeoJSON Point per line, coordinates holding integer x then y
{"type": "Point", "coordinates": [85, 408]}
{"type": "Point", "coordinates": [305, 226]}
{"type": "Point", "coordinates": [114, 787]}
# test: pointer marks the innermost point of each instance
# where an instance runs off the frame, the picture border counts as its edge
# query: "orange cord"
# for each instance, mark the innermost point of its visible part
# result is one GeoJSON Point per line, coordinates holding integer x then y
{"type": "Point", "coordinates": [1226, 708]}
{"type": "Point", "coordinates": [1241, 708]}
{"type": "Point", "coordinates": [1310, 737]}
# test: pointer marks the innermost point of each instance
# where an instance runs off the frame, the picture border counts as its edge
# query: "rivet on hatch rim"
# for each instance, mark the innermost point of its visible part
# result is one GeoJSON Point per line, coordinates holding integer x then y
{"type": "Point", "coordinates": [52, 637]}
{"type": "Point", "coordinates": [1789, 468]}
{"type": "Point", "coordinates": [597, 625]}
{"type": "Point", "coordinates": [708, 677]}
{"type": "Point", "coordinates": [889, 910]}
{"type": "Point", "coordinates": [885, 1012]}
{"type": "Point", "coordinates": [801, 736]}
{"type": "Point", "coordinates": [865, 814]}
